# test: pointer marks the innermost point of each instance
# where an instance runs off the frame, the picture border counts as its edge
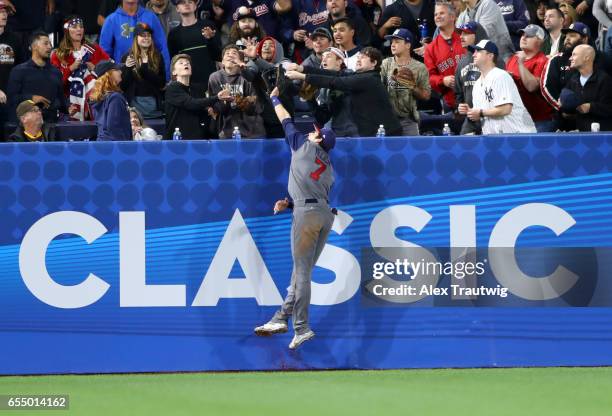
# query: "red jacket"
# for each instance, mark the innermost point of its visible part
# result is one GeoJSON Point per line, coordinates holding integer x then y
{"type": "Point", "coordinates": [94, 55]}
{"type": "Point", "coordinates": [441, 60]}
{"type": "Point", "coordinates": [535, 102]}
{"type": "Point", "coordinates": [64, 67]}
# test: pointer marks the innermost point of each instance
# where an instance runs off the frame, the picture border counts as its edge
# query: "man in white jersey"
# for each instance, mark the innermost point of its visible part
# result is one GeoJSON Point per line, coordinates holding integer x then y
{"type": "Point", "coordinates": [497, 103]}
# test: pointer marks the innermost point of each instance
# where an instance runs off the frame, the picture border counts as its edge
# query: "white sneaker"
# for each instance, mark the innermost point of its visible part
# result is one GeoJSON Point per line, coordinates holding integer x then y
{"type": "Point", "coordinates": [300, 339]}
{"type": "Point", "coordinates": [271, 328]}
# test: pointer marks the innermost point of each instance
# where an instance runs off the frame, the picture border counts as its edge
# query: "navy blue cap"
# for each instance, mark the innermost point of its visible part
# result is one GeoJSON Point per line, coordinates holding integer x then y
{"type": "Point", "coordinates": [401, 33]}
{"type": "Point", "coordinates": [104, 66]}
{"type": "Point", "coordinates": [328, 136]}
{"type": "Point", "coordinates": [484, 45]}
{"type": "Point", "coordinates": [578, 27]}
{"type": "Point", "coordinates": [469, 27]}
{"type": "Point", "coordinates": [569, 100]}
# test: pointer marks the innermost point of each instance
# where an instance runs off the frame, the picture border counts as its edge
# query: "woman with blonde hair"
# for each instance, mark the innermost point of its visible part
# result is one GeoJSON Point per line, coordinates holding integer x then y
{"type": "Point", "coordinates": [109, 106]}
{"type": "Point", "coordinates": [569, 13]}
{"type": "Point", "coordinates": [76, 58]}
{"type": "Point", "coordinates": [144, 75]}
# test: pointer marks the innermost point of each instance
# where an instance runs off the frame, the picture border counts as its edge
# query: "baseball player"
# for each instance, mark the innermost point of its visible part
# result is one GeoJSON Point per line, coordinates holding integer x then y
{"type": "Point", "coordinates": [310, 180]}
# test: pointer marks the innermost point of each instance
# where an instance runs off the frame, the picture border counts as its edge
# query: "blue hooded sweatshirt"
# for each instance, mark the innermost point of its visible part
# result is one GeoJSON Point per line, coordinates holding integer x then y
{"type": "Point", "coordinates": [118, 34]}
{"type": "Point", "coordinates": [113, 118]}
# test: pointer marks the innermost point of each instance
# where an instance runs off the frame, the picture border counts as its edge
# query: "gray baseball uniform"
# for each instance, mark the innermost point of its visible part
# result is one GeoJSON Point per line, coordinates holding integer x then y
{"type": "Point", "coordinates": [311, 177]}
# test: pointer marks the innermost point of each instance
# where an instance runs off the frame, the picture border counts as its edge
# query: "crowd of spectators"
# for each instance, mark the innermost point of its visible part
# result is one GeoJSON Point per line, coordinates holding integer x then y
{"type": "Point", "coordinates": [356, 66]}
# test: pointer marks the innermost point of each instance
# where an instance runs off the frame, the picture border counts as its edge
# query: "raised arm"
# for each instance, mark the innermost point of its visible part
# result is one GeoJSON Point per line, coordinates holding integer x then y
{"type": "Point", "coordinates": [294, 138]}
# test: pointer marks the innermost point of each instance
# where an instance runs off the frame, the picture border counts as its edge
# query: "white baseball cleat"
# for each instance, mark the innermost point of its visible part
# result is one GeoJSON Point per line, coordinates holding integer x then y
{"type": "Point", "coordinates": [271, 328]}
{"type": "Point", "coordinates": [300, 339]}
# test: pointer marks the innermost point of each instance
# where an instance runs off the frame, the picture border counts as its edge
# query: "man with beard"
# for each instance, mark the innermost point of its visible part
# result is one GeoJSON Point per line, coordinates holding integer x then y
{"type": "Point", "coordinates": [467, 74]}
{"type": "Point", "coordinates": [557, 72]}
{"type": "Point", "coordinates": [245, 111]}
{"type": "Point", "coordinates": [589, 91]}
{"type": "Point", "coordinates": [198, 39]}
{"type": "Point", "coordinates": [370, 105]}
{"type": "Point", "coordinates": [406, 80]}
{"type": "Point", "coordinates": [38, 80]}
{"type": "Point", "coordinates": [268, 13]}
{"type": "Point", "coordinates": [245, 28]}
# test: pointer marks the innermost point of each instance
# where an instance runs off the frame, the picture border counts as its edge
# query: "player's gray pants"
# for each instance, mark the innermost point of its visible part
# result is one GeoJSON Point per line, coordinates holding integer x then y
{"type": "Point", "coordinates": [309, 232]}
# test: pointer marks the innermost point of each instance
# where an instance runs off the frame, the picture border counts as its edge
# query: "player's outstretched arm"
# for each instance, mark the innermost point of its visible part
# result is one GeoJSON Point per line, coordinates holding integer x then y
{"type": "Point", "coordinates": [281, 112]}
{"type": "Point", "coordinates": [293, 137]}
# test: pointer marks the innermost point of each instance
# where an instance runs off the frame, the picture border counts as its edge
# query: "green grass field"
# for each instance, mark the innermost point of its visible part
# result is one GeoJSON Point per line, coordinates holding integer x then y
{"type": "Point", "coordinates": [520, 391]}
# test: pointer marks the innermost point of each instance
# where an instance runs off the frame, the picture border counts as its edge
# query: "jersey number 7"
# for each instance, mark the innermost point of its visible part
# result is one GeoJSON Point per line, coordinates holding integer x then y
{"type": "Point", "coordinates": [316, 175]}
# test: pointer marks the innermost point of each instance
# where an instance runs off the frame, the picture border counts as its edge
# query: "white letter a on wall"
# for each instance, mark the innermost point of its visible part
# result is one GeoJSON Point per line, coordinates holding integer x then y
{"type": "Point", "coordinates": [237, 245]}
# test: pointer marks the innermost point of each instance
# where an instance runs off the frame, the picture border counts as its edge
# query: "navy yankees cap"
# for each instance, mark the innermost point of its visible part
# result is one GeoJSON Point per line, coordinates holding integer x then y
{"type": "Point", "coordinates": [484, 45]}
{"type": "Point", "coordinates": [578, 27]}
{"type": "Point", "coordinates": [328, 136]}
{"type": "Point", "coordinates": [401, 33]}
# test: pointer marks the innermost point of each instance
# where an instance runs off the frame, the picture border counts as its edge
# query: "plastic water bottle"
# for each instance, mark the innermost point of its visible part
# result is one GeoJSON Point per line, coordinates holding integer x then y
{"type": "Point", "coordinates": [381, 131]}
{"type": "Point", "coordinates": [446, 131]}
{"type": "Point", "coordinates": [424, 32]}
{"type": "Point", "coordinates": [177, 134]}
{"type": "Point", "coordinates": [236, 133]}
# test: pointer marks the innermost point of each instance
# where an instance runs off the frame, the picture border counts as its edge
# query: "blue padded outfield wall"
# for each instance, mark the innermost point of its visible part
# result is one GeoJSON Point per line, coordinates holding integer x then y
{"type": "Point", "coordinates": [130, 257]}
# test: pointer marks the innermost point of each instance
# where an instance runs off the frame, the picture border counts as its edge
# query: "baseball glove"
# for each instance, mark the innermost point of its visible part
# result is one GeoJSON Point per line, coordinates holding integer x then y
{"type": "Point", "coordinates": [404, 77]}
{"type": "Point", "coordinates": [245, 103]}
{"type": "Point", "coordinates": [307, 91]}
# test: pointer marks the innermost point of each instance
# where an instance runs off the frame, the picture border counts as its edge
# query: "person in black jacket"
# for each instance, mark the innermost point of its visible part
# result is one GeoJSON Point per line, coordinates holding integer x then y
{"type": "Point", "coordinates": [557, 71]}
{"type": "Point", "coordinates": [198, 39]}
{"type": "Point", "coordinates": [399, 14]}
{"type": "Point", "coordinates": [370, 105]}
{"type": "Point", "coordinates": [144, 75]}
{"type": "Point", "coordinates": [590, 92]}
{"type": "Point", "coordinates": [184, 110]}
{"type": "Point", "coordinates": [38, 80]}
{"type": "Point", "coordinates": [12, 53]}
{"type": "Point", "coordinates": [31, 127]}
